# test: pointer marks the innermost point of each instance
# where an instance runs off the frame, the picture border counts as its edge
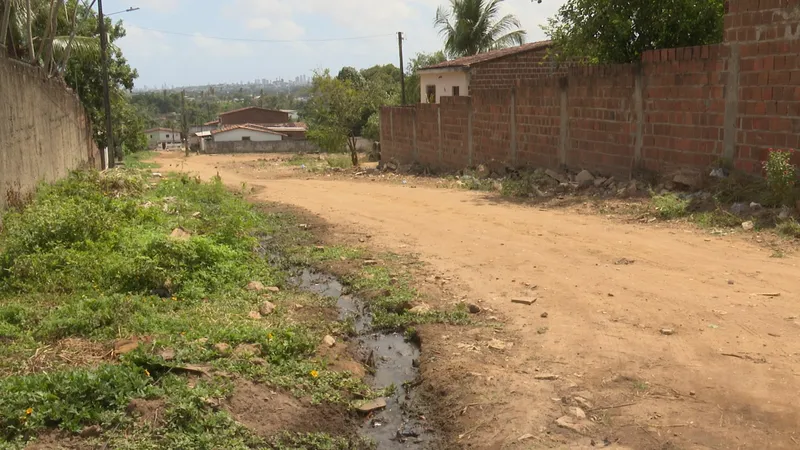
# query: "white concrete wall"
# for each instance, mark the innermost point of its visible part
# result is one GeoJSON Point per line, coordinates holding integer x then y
{"type": "Point", "coordinates": [157, 137]}
{"type": "Point", "coordinates": [238, 134]}
{"type": "Point", "coordinates": [444, 82]}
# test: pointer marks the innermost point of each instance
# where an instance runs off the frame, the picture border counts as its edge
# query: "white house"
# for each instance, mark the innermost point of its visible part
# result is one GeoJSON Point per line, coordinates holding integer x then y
{"type": "Point", "coordinates": [247, 132]}
{"type": "Point", "coordinates": [493, 69]}
{"type": "Point", "coordinates": [158, 136]}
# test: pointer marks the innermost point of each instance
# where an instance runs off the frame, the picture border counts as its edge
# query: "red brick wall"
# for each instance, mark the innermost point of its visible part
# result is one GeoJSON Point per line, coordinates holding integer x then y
{"type": "Point", "coordinates": [507, 72]}
{"type": "Point", "coordinates": [684, 107]}
{"type": "Point", "coordinates": [491, 125]}
{"type": "Point", "coordinates": [680, 108]}
{"type": "Point", "coordinates": [255, 116]}
{"type": "Point", "coordinates": [766, 34]}
{"type": "Point", "coordinates": [601, 118]}
{"type": "Point", "coordinates": [538, 123]}
{"type": "Point", "coordinates": [455, 141]}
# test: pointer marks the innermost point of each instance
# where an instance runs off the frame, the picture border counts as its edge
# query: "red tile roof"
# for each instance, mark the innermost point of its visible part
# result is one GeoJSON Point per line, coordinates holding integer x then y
{"type": "Point", "coordinates": [251, 107]}
{"type": "Point", "coordinates": [480, 58]}
{"type": "Point", "coordinates": [162, 129]}
{"type": "Point", "coordinates": [247, 126]}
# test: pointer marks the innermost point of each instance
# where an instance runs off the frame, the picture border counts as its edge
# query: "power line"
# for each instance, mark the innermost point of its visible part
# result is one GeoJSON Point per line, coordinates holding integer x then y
{"type": "Point", "coordinates": [220, 38]}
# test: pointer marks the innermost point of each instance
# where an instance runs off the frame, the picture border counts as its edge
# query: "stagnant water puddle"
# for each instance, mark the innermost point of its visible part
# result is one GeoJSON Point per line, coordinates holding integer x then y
{"type": "Point", "coordinates": [393, 361]}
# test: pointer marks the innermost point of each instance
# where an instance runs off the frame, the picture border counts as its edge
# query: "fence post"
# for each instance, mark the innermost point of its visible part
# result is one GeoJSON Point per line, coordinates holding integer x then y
{"type": "Point", "coordinates": [439, 122]}
{"type": "Point", "coordinates": [514, 126]}
{"type": "Point", "coordinates": [731, 104]}
{"type": "Point", "coordinates": [638, 104]}
{"type": "Point", "coordinates": [469, 134]}
{"type": "Point", "coordinates": [563, 142]}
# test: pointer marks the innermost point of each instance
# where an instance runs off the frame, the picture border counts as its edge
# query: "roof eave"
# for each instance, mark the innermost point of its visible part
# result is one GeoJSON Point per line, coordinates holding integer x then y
{"type": "Point", "coordinates": [434, 70]}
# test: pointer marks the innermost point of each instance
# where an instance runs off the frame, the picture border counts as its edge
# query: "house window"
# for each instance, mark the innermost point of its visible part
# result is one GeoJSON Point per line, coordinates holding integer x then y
{"type": "Point", "coordinates": [151, 136]}
{"type": "Point", "coordinates": [456, 91]}
{"type": "Point", "coordinates": [245, 138]}
{"type": "Point", "coordinates": [167, 136]}
{"type": "Point", "coordinates": [430, 93]}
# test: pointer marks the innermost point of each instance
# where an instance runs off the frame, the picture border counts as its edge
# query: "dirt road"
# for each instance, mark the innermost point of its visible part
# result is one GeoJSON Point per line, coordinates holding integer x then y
{"type": "Point", "coordinates": [662, 334]}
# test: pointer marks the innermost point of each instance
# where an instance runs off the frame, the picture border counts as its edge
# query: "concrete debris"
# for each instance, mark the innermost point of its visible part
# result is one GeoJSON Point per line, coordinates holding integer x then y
{"type": "Point", "coordinates": [688, 179]}
{"type": "Point", "coordinates": [755, 206]}
{"type": "Point", "coordinates": [329, 340]}
{"type": "Point", "coordinates": [598, 182]}
{"type": "Point", "coordinates": [739, 208]}
{"type": "Point", "coordinates": [570, 423]}
{"type": "Point", "coordinates": [524, 301]}
{"type": "Point", "coordinates": [748, 226]}
{"type": "Point", "coordinates": [578, 413]}
{"type": "Point", "coordinates": [585, 404]}
{"type": "Point", "coordinates": [561, 178]}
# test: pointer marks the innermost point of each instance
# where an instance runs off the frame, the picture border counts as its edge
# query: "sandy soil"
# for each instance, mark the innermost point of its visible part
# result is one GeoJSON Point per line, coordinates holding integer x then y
{"type": "Point", "coordinates": [662, 337]}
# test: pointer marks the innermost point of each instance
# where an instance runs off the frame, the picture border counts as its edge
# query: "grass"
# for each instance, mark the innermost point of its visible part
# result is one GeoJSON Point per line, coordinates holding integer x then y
{"type": "Point", "coordinates": [95, 258]}
{"type": "Point", "coordinates": [670, 206]}
{"type": "Point", "coordinates": [136, 160]}
{"type": "Point", "coordinates": [789, 228]}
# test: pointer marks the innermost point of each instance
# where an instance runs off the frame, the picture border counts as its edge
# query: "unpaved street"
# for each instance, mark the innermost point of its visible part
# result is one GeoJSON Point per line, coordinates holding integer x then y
{"type": "Point", "coordinates": [664, 334]}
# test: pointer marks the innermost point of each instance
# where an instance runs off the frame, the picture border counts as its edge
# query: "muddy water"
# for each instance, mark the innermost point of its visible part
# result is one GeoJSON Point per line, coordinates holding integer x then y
{"type": "Point", "coordinates": [392, 360]}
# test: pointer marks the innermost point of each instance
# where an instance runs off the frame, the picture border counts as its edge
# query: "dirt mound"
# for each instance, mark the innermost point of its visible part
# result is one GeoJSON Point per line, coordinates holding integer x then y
{"type": "Point", "coordinates": [148, 413]}
{"type": "Point", "coordinates": [57, 440]}
{"type": "Point", "coordinates": [267, 412]}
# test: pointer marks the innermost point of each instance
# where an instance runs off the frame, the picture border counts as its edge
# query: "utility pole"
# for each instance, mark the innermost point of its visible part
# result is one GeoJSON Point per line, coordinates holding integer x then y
{"type": "Point", "coordinates": [184, 123]}
{"type": "Point", "coordinates": [402, 71]}
{"type": "Point", "coordinates": [106, 95]}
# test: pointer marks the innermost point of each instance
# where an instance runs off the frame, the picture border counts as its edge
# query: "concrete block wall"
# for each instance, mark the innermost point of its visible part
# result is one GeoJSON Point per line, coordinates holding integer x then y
{"type": "Point", "coordinates": [289, 146]}
{"type": "Point", "coordinates": [44, 130]}
{"type": "Point", "coordinates": [679, 108]}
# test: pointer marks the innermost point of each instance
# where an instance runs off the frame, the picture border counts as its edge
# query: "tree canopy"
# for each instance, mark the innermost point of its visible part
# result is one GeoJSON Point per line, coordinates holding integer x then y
{"type": "Point", "coordinates": [470, 27]}
{"type": "Point", "coordinates": [609, 31]}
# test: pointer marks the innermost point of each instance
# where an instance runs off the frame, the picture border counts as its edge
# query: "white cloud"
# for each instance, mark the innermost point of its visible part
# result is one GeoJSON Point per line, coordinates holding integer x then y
{"type": "Point", "coordinates": [142, 44]}
{"type": "Point", "coordinates": [207, 46]}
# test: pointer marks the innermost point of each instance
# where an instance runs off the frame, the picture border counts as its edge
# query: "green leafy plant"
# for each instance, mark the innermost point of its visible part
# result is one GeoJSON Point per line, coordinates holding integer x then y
{"type": "Point", "coordinates": [781, 175]}
{"type": "Point", "coordinates": [670, 206]}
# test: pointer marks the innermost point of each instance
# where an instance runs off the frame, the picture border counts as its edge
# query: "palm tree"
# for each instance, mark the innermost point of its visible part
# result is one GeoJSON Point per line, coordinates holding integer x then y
{"type": "Point", "coordinates": [470, 27]}
{"type": "Point", "coordinates": [26, 23]}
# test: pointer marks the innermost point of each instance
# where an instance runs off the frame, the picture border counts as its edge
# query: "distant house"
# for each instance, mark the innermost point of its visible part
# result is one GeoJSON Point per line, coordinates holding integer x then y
{"type": "Point", "coordinates": [253, 115]}
{"type": "Point", "coordinates": [494, 69]}
{"type": "Point", "coordinates": [246, 132]}
{"type": "Point", "coordinates": [158, 136]}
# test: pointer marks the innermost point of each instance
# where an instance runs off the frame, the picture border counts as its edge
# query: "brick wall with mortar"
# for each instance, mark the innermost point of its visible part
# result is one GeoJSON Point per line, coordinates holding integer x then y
{"type": "Point", "coordinates": [679, 108]}
{"type": "Point", "coordinates": [44, 130]}
{"type": "Point", "coordinates": [506, 72]}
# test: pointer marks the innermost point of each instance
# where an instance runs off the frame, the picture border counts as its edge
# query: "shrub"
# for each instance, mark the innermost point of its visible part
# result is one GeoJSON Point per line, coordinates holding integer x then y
{"type": "Point", "coordinates": [781, 175]}
{"type": "Point", "coordinates": [789, 228]}
{"type": "Point", "coordinates": [670, 206]}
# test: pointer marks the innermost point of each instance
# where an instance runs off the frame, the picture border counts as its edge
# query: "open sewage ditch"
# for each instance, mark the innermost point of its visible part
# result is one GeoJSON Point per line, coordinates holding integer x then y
{"type": "Point", "coordinates": [391, 361]}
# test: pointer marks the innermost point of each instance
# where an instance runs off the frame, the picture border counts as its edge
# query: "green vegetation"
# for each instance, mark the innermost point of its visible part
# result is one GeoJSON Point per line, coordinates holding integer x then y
{"type": "Point", "coordinates": [789, 228]}
{"type": "Point", "coordinates": [781, 176]}
{"type": "Point", "coordinates": [470, 27]}
{"type": "Point", "coordinates": [670, 206]}
{"type": "Point", "coordinates": [318, 163]}
{"type": "Point", "coordinates": [610, 32]}
{"type": "Point", "coordinates": [136, 160]}
{"type": "Point", "coordinates": [164, 267]}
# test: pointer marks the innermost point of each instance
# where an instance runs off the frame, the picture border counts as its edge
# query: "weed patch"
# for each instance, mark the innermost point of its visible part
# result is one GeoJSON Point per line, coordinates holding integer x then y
{"type": "Point", "coordinates": [670, 206]}
{"type": "Point", "coordinates": [99, 258]}
{"type": "Point", "coordinates": [789, 228]}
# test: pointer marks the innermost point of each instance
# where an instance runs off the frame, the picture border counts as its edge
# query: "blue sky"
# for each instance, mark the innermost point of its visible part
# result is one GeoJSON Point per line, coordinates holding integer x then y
{"type": "Point", "coordinates": [199, 59]}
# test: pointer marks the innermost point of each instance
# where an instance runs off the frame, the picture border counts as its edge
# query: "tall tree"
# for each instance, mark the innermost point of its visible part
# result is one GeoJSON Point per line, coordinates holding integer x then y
{"type": "Point", "coordinates": [610, 31]}
{"type": "Point", "coordinates": [470, 27]}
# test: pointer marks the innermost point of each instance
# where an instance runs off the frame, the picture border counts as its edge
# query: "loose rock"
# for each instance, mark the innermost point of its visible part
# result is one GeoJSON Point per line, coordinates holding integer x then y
{"type": "Point", "coordinates": [556, 176]}
{"type": "Point", "coordinates": [255, 286]}
{"type": "Point", "coordinates": [329, 340]}
{"type": "Point", "coordinates": [525, 437]}
{"type": "Point", "coordinates": [584, 179]}
{"type": "Point", "coordinates": [267, 308]}
{"type": "Point", "coordinates": [585, 404]}
{"type": "Point", "coordinates": [247, 350]}
{"type": "Point", "coordinates": [497, 344]}
{"type": "Point", "coordinates": [222, 348]}
{"type": "Point", "coordinates": [748, 226]}
{"type": "Point", "coordinates": [579, 413]}
{"type": "Point", "coordinates": [255, 315]}
{"type": "Point", "coordinates": [423, 308]}
{"type": "Point", "coordinates": [544, 315]}
{"type": "Point", "coordinates": [370, 262]}
{"type": "Point", "coordinates": [372, 405]}
{"type": "Point", "coordinates": [473, 308]}
{"type": "Point", "coordinates": [667, 331]}
{"type": "Point", "coordinates": [180, 234]}
{"type": "Point", "coordinates": [570, 423]}
{"type": "Point", "coordinates": [546, 377]}
{"type": "Point", "coordinates": [167, 354]}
